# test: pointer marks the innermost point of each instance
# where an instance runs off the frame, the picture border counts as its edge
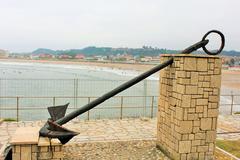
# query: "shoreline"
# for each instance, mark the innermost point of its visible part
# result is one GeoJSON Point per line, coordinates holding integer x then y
{"type": "Point", "coordinates": [122, 66]}
{"type": "Point", "coordinates": [230, 78]}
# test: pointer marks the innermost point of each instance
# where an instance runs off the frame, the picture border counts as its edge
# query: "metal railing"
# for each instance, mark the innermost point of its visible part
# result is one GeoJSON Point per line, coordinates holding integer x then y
{"type": "Point", "coordinates": [143, 106]}
{"type": "Point", "coordinates": [233, 103]}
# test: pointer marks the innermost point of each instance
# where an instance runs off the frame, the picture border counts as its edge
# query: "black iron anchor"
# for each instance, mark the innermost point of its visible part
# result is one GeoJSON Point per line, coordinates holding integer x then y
{"type": "Point", "coordinates": [54, 129]}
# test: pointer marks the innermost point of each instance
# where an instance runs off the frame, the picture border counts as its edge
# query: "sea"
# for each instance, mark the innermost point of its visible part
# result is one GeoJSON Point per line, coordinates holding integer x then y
{"type": "Point", "coordinates": [27, 89]}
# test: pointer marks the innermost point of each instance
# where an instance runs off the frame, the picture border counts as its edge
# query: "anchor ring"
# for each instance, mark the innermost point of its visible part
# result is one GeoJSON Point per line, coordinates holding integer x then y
{"type": "Point", "coordinates": [222, 42]}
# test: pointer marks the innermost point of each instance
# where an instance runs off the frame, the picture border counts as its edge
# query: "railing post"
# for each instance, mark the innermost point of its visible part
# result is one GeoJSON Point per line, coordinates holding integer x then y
{"type": "Point", "coordinates": [232, 96]}
{"type": "Point", "coordinates": [145, 97]}
{"type": "Point", "coordinates": [121, 110]}
{"type": "Point", "coordinates": [17, 109]}
{"type": "Point", "coordinates": [76, 93]}
{"type": "Point", "coordinates": [88, 113]}
{"type": "Point", "coordinates": [152, 106]}
{"type": "Point", "coordinates": [54, 101]}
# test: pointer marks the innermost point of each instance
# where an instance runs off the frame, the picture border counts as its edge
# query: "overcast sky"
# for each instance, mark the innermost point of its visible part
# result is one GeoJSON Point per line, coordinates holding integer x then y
{"type": "Point", "coordinates": [26, 25]}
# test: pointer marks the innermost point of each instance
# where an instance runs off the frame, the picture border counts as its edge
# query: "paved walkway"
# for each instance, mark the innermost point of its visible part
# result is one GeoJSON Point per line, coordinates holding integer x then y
{"type": "Point", "coordinates": [93, 131]}
{"type": "Point", "coordinates": [114, 130]}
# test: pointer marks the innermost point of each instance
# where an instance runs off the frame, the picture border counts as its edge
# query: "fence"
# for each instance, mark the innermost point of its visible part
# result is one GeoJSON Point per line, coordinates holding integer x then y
{"type": "Point", "coordinates": [230, 104]}
{"type": "Point", "coordinates": [117, 107]}
{"type": "Point", "coordinates": [27, 99]}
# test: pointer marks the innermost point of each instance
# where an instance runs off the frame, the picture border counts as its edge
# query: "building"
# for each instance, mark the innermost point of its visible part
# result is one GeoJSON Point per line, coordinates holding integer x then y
{"type": "Point", "coordinates": [79, 56]}
{"type": "Point", "coordinates": [3, 53]}
{"type": "Point", "coordinates": [65, 56]}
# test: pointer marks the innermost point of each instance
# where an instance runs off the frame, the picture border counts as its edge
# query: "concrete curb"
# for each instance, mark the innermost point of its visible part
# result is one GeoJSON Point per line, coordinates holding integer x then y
{"type": "Point", "coordinates": [228, 154]}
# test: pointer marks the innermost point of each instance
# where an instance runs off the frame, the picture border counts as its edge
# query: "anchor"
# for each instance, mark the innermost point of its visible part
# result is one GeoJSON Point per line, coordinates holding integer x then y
{"type": "Point", "coordinates": [54, 129]}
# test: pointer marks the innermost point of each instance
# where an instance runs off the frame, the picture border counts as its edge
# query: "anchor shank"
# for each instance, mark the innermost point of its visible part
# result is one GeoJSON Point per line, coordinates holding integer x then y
{"type": "Point", "coordinates": [112, 93]}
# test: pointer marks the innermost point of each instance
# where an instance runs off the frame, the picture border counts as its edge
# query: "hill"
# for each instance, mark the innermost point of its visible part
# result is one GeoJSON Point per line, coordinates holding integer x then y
{"type": "Point", "coordinates": [105, 51]}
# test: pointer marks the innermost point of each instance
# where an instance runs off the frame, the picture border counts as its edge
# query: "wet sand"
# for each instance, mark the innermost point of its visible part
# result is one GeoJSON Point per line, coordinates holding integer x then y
{"type": "Point", "coordinates": [230, 78]}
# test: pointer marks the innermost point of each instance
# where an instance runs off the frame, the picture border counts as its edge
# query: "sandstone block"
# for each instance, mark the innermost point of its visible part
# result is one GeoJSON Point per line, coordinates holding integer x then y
{"type": "Point", "coordinates": [218, 63]}
{"type": "Point", "coordinates": [202, 148]}
{"type": "Point", "coordinates": [26, 152]}
{"type": "Point", "coordinates": [43, 149]}
{"type": "Point", "coordinates": [206, 123]}
{"type": "Point", "coordinates": [186, 101]}
{"type": "Point", "coordinates": [200, 90]}
{"type": "Point", "coordinates": [181, 89]}
{"type": "Point", "coordinates": [180, 74]}
{"type": "Point", "coordinates": [16, 156]}
{"type": "Point", "coordinates": [199, 109]}
{"type": "Point", "coordinates": [34, 148]}
{"type": "Point", "coordinates": [205, 84]}
{"type": "Point", "coordinates": [215, 81]}
{"type": "Point", "coordinates": [183, 81]}
{"type": "Point", "coordinates": [194, 149]}
{"type": "Point", "coordinates": [196, 123]}
{"type": "Point", "coordinates": [179, 113]}
{"type": "Point", "coordinates": [183, 157]}
{"type": "Point", "coordinates": [191, 136]}
{"type": "Point", "coordinates": [57, 148]}
{"type": "Point", "coordinates": [215, 91]}
{"type": "Point", "coordinates": [192, 117]}
{"type": "Point", "coordinates": [185, 146]}
{"type": "Point", "coordinates": [191, 89]}
{"type": "Point", "coordinates": [196, 142]}
{"type": "Point", "coordinates": [211, 66]}
{"type": "Point", "coordinates": [210, 136]}
{"type": "Point", "coordinates": [213, 98]}
{"type": "Point", "coordinates": [212, 112]}
{"type": "Point", "coordinates": [190, 64]}
{"type": "Point", "coordinates": [45, 155]}
{"type": "Point", "coordinates": [185, 126]}
{"type": "Point", "coordinates": [211, 147]}
{"type": "Point", "coordinates": [34, 156]}
{"type": "Point", "coordinates": [199, 136]}
{"type": "Point", "coordinates": [202, 64]}
{"type": "Point", "coordinates": [192, 156]}
{"type": "Point", "coordinates": [201, 156]}
{"type": "Point", "coordinates": [207, 78]}
{"type": "Point", "coordinates": [57, 154]}
{"type": "Point", "coordinates": [202, 101]}
{"type": "Point", "coordinates": [17, 149]}
{"type": "Point", "coordinates": [194, 78]}
{"type": "Point", "coordinates": [214, 124]}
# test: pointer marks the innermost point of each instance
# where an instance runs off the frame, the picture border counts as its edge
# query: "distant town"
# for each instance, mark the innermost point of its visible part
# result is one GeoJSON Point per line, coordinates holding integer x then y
{"type": "Point", "coordinates": [146, 55]}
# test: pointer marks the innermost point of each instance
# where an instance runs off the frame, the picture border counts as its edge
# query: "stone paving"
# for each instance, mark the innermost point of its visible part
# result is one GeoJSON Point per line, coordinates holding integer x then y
{"type": "Point", "coordinates": [117, 150]}
{"type": "Point", "coordinates": [116, 130]}
{"type": "Point", "coordinates": [229, 124]}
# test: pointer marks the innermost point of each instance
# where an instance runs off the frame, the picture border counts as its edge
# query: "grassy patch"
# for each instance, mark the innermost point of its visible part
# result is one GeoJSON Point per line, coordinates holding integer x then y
{"type": "Point", "coordinates": [9, 120]}
{"type": "Point", "coordinates": [237, 113]}
{"type": "Point", "coordinates": [231, 146]}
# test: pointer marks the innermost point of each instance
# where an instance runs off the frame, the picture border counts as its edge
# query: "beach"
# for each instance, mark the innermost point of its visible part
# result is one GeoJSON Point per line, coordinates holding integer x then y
{"type": "Point", "coordinates": [230, 78]}
{"type": "Point", "coordinates": [45, 78]}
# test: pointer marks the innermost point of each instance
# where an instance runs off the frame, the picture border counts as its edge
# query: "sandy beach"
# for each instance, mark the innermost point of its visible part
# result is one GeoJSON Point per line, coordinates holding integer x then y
{"type": "Point", "coordinates": [230, 78]}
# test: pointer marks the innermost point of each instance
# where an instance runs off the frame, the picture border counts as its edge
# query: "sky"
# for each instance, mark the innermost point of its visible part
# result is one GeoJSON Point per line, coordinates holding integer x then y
{"type": "Point", "coordinates": [26, 25]}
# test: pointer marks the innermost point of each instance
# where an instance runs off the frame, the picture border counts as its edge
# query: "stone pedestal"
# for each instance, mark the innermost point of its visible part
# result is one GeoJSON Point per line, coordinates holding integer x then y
{"type": "Point", "coordinates": [188, 107]}
{"type": "Point", "coordinates": [27, 145]}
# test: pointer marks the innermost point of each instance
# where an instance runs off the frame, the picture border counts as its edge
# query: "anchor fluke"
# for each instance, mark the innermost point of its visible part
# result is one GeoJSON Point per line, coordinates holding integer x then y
{"type": "Point", "coordinates": [57, 112]}
{"type": "Point", "coordinates": [54, 130]}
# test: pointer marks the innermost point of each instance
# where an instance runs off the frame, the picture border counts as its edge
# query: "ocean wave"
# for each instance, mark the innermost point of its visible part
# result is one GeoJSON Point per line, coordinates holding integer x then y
{"type": "Point", "coordinates": [121, 72]}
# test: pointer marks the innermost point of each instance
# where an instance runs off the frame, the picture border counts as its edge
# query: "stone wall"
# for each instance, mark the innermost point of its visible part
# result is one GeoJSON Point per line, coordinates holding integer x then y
{"type": "Point", "coordinates": [27, 145]}
{"type": "Point", "coordinates": [188, 106]}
